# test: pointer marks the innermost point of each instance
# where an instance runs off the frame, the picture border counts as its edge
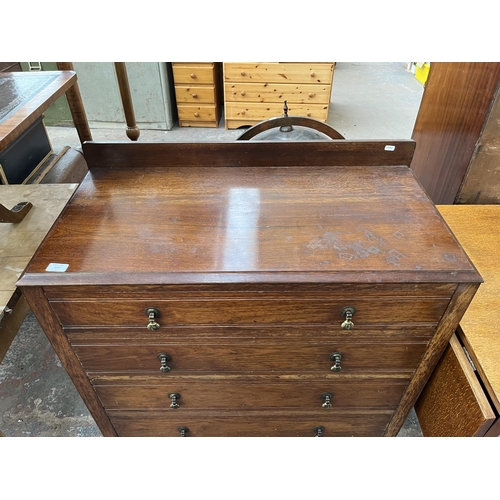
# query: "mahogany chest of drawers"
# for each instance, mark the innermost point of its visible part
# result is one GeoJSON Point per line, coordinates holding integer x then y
{"type": "Point", "coordinates": [250, 289]}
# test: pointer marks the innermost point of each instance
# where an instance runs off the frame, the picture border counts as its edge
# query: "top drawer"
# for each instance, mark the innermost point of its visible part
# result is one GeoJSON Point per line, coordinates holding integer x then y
{"type": "Point", "coordinates": [193, 73]}
{"type": "Point", "coordinates": [317, 73]}
{"type": "Point", "coordinates": [249, 311]}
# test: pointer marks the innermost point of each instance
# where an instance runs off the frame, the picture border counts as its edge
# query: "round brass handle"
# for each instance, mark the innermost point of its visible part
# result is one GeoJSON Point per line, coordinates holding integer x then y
{"type": "Point", "coordinates": [319, 431]}
{"type": "Point", "coordinates": [197, 114]}
{"type": "Point", "coordinates": [183, 431]}
{"type": "Point", "coordinates": [336, 357]}
{"type": "Point", "coordinates": [327, 396]}
{"type": "Point", "coordinates": [164, 357]}
{"type": "Point", "coordinates": [192, 75]}
{"type": "Point", "coordinates": [194, 95]}
{"type": "Point", "coordinates": [242, 92]}
{"type": "Point", "coordinates": [348, 313]}
{"type": "Point", "coordinates": [174, 397]}
{"type": "Point", "coordinates": [152, 313]}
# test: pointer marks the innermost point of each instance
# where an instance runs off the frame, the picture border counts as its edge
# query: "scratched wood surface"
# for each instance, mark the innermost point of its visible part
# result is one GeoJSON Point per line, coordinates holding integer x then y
{"type": "Point", "coordinates": [212, 220]}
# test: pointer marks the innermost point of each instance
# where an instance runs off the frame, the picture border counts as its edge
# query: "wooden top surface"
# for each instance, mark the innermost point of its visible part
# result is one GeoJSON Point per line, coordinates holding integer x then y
{"type": "Point", "coordinates": [477, 227]}
{"type": "Point", "coordinates": [18, 242]}
{"type": "Point", "coordinates": [205, 223]}
{"type": "Point", "coordinates": [24, 96]}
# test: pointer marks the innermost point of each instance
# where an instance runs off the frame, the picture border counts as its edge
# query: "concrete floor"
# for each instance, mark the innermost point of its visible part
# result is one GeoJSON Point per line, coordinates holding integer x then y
{"type": "Point", "coordinates": [37, 397]}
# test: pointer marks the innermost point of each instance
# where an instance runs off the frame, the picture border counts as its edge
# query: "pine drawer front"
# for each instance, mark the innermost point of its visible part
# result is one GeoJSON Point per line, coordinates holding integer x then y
{"type": "Point", "coordinates": [315, 73]}
{"type": "Point", "coordinates": [277, 93]}
{"type": "Point", "coordinates": [255, 111]}
{"type": "Point", "coordinates": [271, 311]}
{"type": "Point", "coordinates": [250, 424]}
{"type": "Point", "coordinates": [233, 357]}
{"type": "Point", "coordinates": [203, 113]}
{"type": "Point", "coordinates": [194, 95]}
{"type": "Point", "coordinates": [247, 392]}
{"type": "Point", "coordinates": [196, 73]}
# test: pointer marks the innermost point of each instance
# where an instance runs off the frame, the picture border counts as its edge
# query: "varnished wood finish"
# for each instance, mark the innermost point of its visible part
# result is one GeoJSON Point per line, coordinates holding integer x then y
{"type": "Point", "coordinates": [250, 250]}
{"type": "Point", "coordinates": [453, 402]}
{"type": "Point", "coordinates": [456, 101]}
{"type": "Point", "coordinates": [61, 346]}
{"type": "Point", "coordinates": [375, 356]}
{"type": "Point", "coordinates": [10, 323]}
{"type": "Point", "coordinates": [250, 424]}
{"type": "Point", "coordinates": [29, 94]}
{"type": "Point", "coordinates": [476, 227]}
{"type": "Point", "coordinates": [76, 106]}
{"type": "Point", "coordinates": [132, 131]}
{"type": "Point", "coordinates": [249, 392]}
{"type": "Point", "coordinates": [481, 184]}
{"type": "Point", "coordinates": [285, 121]}
{"type": "Point", "coordinates": [458, 305]}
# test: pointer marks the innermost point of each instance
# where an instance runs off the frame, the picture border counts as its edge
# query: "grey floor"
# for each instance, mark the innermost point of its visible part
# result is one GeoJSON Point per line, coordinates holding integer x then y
{"type": "Point", "coordinates": [37, 398]}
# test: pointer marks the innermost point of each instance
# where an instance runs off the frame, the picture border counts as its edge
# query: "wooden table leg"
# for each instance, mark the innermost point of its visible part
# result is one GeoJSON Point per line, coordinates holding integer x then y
{"type": "Point", "coordinates": [76, 106]}
{"type": "Point", "coordinates": [133, 131]}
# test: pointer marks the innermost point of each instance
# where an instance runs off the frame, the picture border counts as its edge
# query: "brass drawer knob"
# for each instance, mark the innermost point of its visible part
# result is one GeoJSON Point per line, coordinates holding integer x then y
{"type": "Point", "coordinates": [327, 396]}
{"type": "Point", "coordinates": [174, 397]}
{"type": "Point", "coordinates": [152, 313]}
{"type": "Point", "coordinates": [348, 313]}
{"type": "Point", "coordinates": [336, 357]}
{"type": "Point", "coordinates": [319, 431]}
{"type": "Point", "coordinates": [183, 431]}
{"type": "Point", "coordinates": [164, 357]}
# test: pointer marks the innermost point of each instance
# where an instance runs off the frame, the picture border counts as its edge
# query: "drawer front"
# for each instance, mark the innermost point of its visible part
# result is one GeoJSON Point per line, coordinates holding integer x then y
{"type": "Point", "coordinates": [197, 113]}
{"type": "Point", "coordinates": [250, 424]}
{"type": "Point", "coordinates": [315, 73]}
{"type": "Point", "coordinates": [194, 95]}
{"type": "Point", "coordinates": [247, 393]}
{"type": "Point", "coordinates": [275, 92]}
{"type": "Point", "coordinates": [131, 313]}
{"type": "Point", "coordinates": [193, 73]}
{"type": "Point", "coordinates": [222, 358]}
{"type": "Point", "coordinates": [260, 112]}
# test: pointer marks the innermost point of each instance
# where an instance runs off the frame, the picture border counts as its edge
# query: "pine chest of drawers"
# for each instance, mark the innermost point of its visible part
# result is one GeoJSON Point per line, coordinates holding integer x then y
{"type": "Point", "coordinates": [254, 92]}
{"type": "Point", "coordinates": [198, 93]}
{"type": "Point", "coordinates": [249, 289]}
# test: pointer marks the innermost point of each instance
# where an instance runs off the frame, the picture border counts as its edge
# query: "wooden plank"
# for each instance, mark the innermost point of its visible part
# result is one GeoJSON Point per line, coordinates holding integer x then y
{"type": "Point", "coordinates": [248, 153]}
{"type": "Point", "coordinates": [453, 402]}
{"type": "Point", "coordinates": [456, 101]}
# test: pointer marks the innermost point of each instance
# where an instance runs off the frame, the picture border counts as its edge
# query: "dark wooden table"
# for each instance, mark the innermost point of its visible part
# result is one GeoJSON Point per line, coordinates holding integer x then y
{"type": "Point", "coordinates": [24, 96]}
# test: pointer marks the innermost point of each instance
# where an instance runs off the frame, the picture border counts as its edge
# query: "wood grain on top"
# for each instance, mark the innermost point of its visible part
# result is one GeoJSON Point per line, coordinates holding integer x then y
{"type": "Point", "coordinates": [161, 224]}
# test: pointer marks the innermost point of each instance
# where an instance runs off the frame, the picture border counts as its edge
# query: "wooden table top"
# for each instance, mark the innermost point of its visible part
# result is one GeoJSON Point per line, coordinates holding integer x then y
{"type": "Point", "coordinates": [207, 223]}
{"type": "Point", "coordinates": [477, 228]}
{"type": "Point", "coordinates": [18, 242]}
{"type": "Point", "coordinates": [24, 96]}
